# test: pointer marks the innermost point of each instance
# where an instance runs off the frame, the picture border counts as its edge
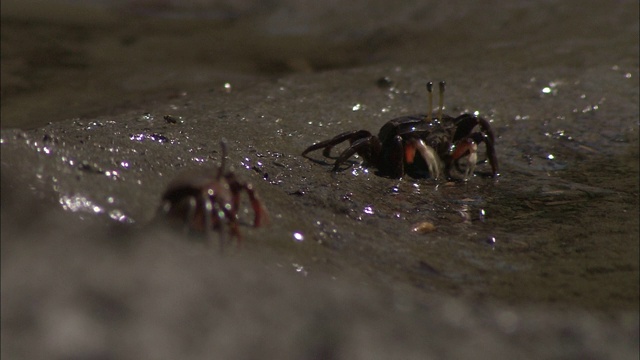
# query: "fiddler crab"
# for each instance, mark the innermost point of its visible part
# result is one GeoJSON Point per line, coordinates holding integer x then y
{"type": "Point", "coordinates": [202, 201]}
{"type": "Point", "coordinates": [416, 143]}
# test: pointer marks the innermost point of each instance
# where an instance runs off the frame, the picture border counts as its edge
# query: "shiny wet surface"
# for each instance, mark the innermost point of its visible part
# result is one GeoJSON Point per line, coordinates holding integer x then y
{"type": "Point", "coordinates": [557, 230]}
{"type": "Point", "coordinates": [557, 226]}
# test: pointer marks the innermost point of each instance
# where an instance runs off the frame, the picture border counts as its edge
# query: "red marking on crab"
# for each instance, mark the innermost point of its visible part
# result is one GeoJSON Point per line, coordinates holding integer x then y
{"type": "Point", "coordinates": [204, 200]}
{"type": "Point", "coordinates": [409, 153]}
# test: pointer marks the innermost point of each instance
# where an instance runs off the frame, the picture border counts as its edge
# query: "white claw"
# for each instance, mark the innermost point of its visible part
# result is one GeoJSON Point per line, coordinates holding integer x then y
{"type": "Point", "coordinates": [472, 160]}
{"type": "Point", "coordinates": [430, 157]}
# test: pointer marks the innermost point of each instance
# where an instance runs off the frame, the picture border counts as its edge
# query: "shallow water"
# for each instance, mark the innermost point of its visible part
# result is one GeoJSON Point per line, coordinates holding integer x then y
{"type": "Point", "coordinates": [557, 230]}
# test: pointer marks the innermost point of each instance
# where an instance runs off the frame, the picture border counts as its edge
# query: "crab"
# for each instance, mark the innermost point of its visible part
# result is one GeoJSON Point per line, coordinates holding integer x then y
{"type": "Point", "coordinates": [203, 201]}
{"type": "Point", "coordinates": [415, 144]}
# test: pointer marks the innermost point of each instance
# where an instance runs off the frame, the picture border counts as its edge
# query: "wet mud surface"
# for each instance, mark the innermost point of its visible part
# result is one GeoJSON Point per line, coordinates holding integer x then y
{"type": "Point", "coordinates": [556, 232]}
{"type": "Point", "coordinates": [556, 201]}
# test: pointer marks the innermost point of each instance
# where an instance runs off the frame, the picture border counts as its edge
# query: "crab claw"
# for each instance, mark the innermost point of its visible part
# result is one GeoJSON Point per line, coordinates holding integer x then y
{"type": "Point", "coordinates": [465, 124]}
{"type": "Point", "coordinates": [429, 155]}
{"type": "Point", "coordinates": [468, 145]}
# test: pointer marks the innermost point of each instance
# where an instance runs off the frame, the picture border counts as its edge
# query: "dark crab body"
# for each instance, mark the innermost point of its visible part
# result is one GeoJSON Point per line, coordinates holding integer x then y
{"type": "Point", "coordinates": [206, 200]}
{"type": "Point", "coordinates": [418, 143]}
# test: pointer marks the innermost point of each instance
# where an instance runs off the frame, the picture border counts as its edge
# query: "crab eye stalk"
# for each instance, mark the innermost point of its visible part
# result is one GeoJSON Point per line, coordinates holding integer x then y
{"type": "Point", "coordinates": [430, 108]}
{"type": "Point", "coordinates": [223, 146]}
{"type": "Point", "coordinates": [441, 104]}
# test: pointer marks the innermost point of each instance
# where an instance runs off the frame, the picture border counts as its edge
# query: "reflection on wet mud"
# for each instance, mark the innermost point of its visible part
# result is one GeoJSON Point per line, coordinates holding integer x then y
{"type": "Point", "coordinates": [113, 106]}
{"type": "Point", "coordinates": [566, 136]}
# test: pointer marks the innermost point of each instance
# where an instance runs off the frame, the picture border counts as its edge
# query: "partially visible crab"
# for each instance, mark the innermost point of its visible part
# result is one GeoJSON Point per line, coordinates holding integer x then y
{"type": "Point", "coordinates": [204, 200]}
{"type": "Point", "coordinates": [416, 143]}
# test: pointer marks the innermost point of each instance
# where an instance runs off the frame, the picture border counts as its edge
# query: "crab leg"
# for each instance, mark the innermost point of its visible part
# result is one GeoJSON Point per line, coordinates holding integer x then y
{"type": "Point", "coordinates": [223, 160]}
{"type": "Point", "coordinates": [352, 136]}
{"type": "Point", "coordinates": [368, 147]}
{"type": "Point", "coordinates": [489, 140]}
{"type": "Point", "coordinates": [260, 212]}
{"type": "Point", "coordinates": [261, 215]}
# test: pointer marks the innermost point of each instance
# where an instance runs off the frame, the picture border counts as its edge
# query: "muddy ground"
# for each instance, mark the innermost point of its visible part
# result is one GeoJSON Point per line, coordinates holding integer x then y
{"type": "Point", "coordinates": [541, 261]}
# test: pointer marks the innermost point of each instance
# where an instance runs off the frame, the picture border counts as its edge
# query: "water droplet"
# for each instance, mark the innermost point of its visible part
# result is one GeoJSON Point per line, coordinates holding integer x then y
{"type": "Point", "coordinates": [359, 170]}
{"type": "Point", "coordinates": [79, 203]}
{"type": "Point", "coordinates": [300, 269]}
{"type": "Point", "coordinates": [368, 210]}
{"type": "Point", "coordinates": [146, 117]}
{"type": "Point", "coordinates": [298, 236]}
{"type": "Point", "coordinates": [119, 216]}
{"type": "Point", "coordinates": [551, 88]}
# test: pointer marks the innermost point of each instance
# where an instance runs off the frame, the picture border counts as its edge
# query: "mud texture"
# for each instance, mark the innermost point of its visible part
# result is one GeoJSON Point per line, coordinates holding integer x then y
{"type": "Point", "coordinates": [540, 262]}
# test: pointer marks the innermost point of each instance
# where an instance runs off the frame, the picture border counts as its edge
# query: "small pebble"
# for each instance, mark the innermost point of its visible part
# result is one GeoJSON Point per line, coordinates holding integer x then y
{"type": "Point", "coordinates": [423, 227]}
